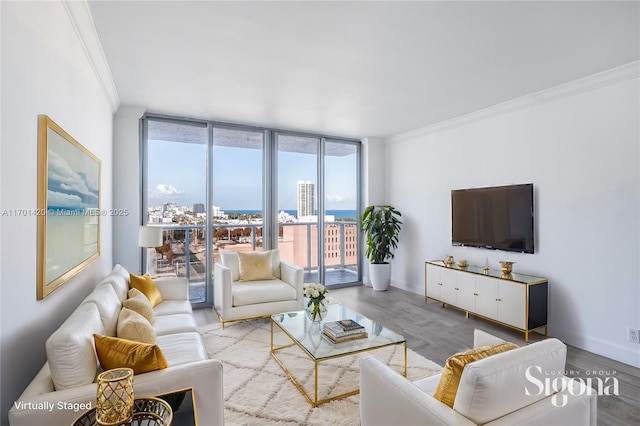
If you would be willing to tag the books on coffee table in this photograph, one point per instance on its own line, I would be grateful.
(349, 324)
(332, 339)
(343, 330)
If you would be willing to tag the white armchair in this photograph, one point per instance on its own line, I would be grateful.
(234, 300)
(491, 392)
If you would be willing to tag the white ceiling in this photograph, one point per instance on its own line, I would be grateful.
(354, 69)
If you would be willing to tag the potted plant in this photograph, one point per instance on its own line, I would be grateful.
(381, 225)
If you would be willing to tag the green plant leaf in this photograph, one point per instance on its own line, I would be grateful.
(381, 225)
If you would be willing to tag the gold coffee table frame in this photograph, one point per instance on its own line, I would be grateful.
(366, 345)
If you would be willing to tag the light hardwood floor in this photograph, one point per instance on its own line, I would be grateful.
(436, 333)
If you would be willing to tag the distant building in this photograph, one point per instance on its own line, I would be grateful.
(198, 208)
(294, 243)
(285, 217)
(314, 219)
(167, 207)
(218, 213)
(306, 198)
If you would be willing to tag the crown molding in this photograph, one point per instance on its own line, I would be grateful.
(572, 88)
(130, 111)
(82, 22)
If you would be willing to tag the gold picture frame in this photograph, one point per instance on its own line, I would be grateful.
(68, 207)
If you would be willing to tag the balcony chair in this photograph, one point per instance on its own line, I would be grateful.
(491, 391)
(242, 291)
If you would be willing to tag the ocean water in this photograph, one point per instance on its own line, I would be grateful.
(339, 214)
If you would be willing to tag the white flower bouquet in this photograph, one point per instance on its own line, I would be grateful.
(316, 306)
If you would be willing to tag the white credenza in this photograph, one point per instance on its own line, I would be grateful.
(515, 300)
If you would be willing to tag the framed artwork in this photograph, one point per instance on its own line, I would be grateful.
(68, 207)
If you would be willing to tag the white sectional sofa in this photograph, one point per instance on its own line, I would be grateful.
(68, 376)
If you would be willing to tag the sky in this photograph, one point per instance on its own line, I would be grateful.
(177, 174)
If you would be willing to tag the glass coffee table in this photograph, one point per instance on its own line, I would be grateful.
(308, 337)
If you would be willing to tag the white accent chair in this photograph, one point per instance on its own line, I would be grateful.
(236, 300)
(491, 391)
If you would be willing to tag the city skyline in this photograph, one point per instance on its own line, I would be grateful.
(169, 210)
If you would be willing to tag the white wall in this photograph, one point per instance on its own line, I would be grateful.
(126, 184)
(373, 181)
(579, 145)
(373, 171)
(44, 71)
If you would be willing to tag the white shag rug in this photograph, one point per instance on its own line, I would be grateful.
(258, 392)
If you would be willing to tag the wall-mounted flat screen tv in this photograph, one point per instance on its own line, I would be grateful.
(499, 217)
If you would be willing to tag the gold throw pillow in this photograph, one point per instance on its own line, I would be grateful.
(119, 353)
(255, 265)
(138, 302)
(133, 326)
(145, 284)
(450, 379)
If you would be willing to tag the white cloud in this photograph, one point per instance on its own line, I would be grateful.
(59, 171)
(59, 199)
(92, 184)
(334, 198)
(164, 190)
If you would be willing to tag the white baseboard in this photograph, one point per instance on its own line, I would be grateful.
(601, 347)
(605, 348)
(417, 289)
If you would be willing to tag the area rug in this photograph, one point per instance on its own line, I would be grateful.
(258, 392)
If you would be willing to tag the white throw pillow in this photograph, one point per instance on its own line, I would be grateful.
(138, 302)
(133, 326)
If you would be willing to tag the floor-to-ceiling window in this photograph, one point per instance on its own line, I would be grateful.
(341, 200)
(318, 190)
(216, 186)
(238, 195)
(175, 198)
(297, 164)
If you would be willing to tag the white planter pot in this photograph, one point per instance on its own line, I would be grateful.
(380, 276)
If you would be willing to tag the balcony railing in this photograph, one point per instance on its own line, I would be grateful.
(184, 251)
